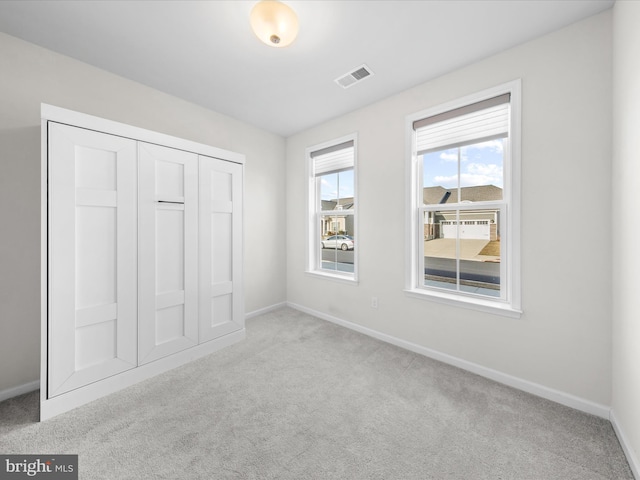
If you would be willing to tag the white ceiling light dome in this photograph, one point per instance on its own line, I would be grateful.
(275, 23)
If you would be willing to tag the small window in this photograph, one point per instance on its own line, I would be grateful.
(464, 203)
(332, 236)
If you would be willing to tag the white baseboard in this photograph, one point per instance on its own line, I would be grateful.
(268, 309)
(557, 396)
(8, 393)
(626, 448)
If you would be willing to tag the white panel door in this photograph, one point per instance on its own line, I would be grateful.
(168, 251)
(92, 300)
(221, 300)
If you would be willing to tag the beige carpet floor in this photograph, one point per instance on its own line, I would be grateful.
(301, 398)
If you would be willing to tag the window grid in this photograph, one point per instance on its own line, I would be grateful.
(505, 222)
(500, 207)
(332, 231)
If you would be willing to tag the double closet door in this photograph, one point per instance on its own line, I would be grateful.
(144, 253)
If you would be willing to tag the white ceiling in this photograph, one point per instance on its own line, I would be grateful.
(205, 52)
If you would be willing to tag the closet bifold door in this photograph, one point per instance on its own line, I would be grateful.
(167, 250)
(221, 302)
(92, 297)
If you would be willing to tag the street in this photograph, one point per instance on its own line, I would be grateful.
(332, 255)
(486, 272)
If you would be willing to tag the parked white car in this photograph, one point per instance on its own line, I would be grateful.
(343, 242)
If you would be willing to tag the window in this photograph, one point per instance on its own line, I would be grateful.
(332, 209)
(464, 202)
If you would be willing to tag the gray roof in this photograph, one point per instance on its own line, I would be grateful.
(346, 203)
(480, 193)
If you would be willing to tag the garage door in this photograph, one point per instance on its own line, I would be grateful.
(469, 229)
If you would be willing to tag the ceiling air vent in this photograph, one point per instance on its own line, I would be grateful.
(357, 75)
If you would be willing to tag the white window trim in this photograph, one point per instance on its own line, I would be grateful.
(511, 307)
(312, 250)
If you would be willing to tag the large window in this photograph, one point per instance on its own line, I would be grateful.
(464, 201)
(332, 235)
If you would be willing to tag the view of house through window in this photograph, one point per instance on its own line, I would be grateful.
(462, 207)
(333, 184)
(462, 244)
(336, 221)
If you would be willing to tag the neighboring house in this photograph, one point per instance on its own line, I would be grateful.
(474, 224)
(337, 223)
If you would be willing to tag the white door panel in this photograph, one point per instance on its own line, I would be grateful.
(168, 249)
(475, 231)
(468, 230)
(92, 257)
(221, 301)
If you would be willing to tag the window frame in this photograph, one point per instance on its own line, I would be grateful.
(314, 212)
(510, 304)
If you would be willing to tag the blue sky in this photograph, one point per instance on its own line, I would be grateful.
(480, 164)
(330, 184)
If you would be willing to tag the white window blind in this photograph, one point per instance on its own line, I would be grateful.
(336, 158)
(481, 121)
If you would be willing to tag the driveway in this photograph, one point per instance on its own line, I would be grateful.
(469, 249)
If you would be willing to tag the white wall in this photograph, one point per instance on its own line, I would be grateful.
(563, 340)
(31, 75)
(626, 227)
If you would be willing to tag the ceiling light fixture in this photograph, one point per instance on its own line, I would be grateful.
(275, 23)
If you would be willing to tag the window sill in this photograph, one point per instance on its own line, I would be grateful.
(348, 279)
(477, 304)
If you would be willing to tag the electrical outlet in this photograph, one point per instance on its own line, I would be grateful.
(374, 302)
